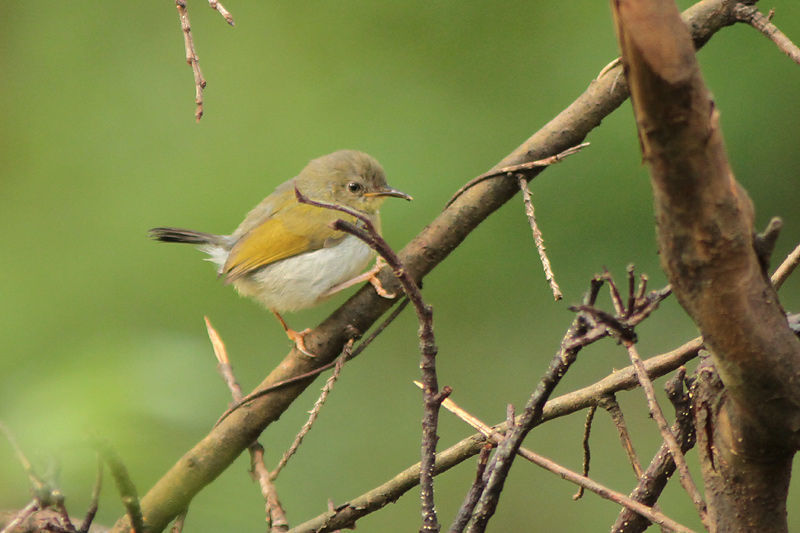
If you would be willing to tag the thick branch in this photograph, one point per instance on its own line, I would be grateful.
(706, 243)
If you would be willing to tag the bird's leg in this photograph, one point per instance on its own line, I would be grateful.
(370, 275)
(295, 336)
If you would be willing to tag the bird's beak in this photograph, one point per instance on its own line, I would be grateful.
(389, 191)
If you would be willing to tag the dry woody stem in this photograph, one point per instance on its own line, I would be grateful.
(752, 16)
(432, 396)
(538, 239)
(609, 403)
(573, 477)
(587, 451)
(326, 390)
(669, 438)
(275, 515)
(191, 58)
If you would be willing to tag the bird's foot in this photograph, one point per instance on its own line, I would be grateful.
(298, 337)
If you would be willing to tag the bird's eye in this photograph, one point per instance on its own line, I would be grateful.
(354, 187)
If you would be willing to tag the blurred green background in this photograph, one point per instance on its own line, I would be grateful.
(102, 330)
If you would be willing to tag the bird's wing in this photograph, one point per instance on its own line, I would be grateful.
(297, 229)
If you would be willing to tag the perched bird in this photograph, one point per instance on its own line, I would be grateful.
(285, 254)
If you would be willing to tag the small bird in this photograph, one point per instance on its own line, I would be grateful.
(285, 254)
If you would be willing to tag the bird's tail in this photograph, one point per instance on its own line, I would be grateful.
(187, 236)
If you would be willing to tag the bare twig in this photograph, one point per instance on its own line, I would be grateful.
(276, 517)
(582, 332)
(573, 477)
(191, 58)
(37, 485)
(569, 403)
(465, 511)
(609, 403)
(319, 370)
(432, 396)
(126, 488)
(337, 370)
(217, 6)
(578, 335)
(275, 514)
(786, 268)
(93, 505)
(658, 415)
(587, 451)
(661, 468)
(517, 169)
(751, 15)
(538, 239)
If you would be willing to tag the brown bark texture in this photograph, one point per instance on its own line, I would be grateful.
(749, 421)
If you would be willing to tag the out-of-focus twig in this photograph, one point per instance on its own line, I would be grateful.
(275, 515)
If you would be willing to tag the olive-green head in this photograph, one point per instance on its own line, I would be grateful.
(349, 178)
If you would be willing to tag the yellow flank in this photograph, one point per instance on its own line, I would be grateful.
(305, 229)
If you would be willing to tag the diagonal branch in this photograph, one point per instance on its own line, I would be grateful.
(214, 453)
(432, 397)
(752, 16)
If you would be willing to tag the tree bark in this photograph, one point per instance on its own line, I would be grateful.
(750, 426)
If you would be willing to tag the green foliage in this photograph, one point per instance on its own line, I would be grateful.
(102, 330)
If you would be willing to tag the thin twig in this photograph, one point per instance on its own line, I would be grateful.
(191, 58)
(326, 389)
(609, 403)
(515, 169)
(275, 515)
(565, 473)
(578, 335)
(94, 502)
(582, 332)
(587, 451)
(537, 238)
(388, 492)
(616, 297)
(674, 448)
(786, 268)
(752, 16)
(37, 484)
(217, 6)
(465, 511)
(126, 488)
(661, 468)
(432, 396)
(319, 370)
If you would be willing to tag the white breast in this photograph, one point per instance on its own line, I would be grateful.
(301, 281)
